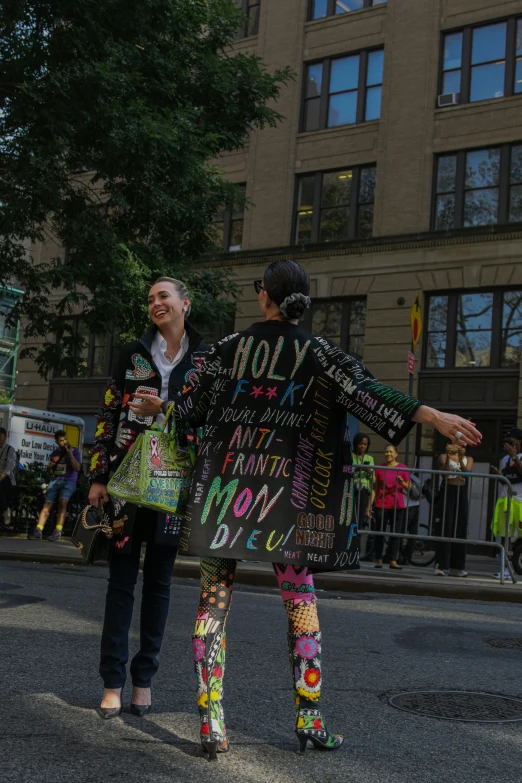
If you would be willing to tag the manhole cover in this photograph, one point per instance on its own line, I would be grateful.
(459, 705)
(506, 644)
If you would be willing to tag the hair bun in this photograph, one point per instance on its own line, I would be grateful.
(294, 306)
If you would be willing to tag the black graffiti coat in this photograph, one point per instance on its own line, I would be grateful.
(273, 479)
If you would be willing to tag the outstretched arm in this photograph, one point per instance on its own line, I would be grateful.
(448, 424)
(386, 410)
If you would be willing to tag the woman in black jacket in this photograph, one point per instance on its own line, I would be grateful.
(274, 481)
(157, 365)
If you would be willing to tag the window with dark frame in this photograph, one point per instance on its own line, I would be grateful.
(95, 357)
(228, 223)
(250, 10)
(478, 188)
(335, 205)
(343, 90)
(318, 9)
(343, 321)
(474, 329)
(482, 62)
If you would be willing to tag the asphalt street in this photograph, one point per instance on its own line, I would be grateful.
(374, 646)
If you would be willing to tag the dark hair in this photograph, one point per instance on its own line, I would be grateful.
(391, 446)
(3, 431)
(288, 280)
(59, 434)
(515, 433)
(359, 437)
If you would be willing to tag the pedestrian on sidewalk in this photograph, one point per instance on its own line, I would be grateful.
(7, 475)
(156, 366)
(389, 500)
(411, 515)
(64, 465)
(274, 481)
(511, 468)
(452, 510)
(363, 481)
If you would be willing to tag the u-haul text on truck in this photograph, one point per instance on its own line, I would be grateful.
(31, 432)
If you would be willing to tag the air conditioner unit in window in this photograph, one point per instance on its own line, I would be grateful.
(449, 99)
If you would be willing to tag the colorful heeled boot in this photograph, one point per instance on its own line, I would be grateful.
(209, 663)
(305, 659)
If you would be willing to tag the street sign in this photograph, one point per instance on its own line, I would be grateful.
(411, 362)
(416, 323)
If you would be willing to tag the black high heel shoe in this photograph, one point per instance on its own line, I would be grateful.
(140, 710)
(106, 713)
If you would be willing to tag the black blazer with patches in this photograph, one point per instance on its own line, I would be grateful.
(117, 427)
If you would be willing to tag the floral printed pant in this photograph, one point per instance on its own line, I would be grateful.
(217, 579)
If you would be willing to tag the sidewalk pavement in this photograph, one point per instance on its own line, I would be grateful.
(479, 585)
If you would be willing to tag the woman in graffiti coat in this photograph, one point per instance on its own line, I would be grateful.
(273, 481)
(157, 365)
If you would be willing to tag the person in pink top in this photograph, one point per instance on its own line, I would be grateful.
(390, 501)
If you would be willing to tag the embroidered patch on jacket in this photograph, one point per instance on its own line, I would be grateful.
(104, 429)
(142, 369)
(144, 419)
(99, 462)
(112, 397)
(125, 437)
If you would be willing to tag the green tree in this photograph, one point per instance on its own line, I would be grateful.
(109, 114)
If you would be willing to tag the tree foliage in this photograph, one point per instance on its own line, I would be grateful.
(109, 114)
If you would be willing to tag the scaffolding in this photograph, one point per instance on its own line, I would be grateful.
(9, 341)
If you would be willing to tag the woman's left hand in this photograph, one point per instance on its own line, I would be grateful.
(448, 424)
(145, 405)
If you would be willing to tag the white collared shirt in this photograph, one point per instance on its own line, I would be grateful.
(159, 346)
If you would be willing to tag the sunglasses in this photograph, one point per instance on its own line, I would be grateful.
(258, 285)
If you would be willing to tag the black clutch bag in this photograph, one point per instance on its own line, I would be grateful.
(92, 535)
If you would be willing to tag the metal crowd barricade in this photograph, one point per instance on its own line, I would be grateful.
(438, 525)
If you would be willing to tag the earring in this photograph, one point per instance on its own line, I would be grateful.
(185, 309)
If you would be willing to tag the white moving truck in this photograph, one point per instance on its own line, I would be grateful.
(31, 432)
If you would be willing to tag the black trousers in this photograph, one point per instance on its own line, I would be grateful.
(362, 501)
(5, 496)
(394, 519)
(454, 524)
(412, 527)
(119, 603)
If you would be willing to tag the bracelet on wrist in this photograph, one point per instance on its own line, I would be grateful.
(164, 407)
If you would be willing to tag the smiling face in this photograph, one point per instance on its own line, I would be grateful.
(165, 304)
(390, 454)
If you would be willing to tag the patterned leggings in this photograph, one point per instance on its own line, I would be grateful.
(217, 579)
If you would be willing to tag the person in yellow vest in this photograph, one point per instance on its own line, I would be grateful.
(511, 468)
